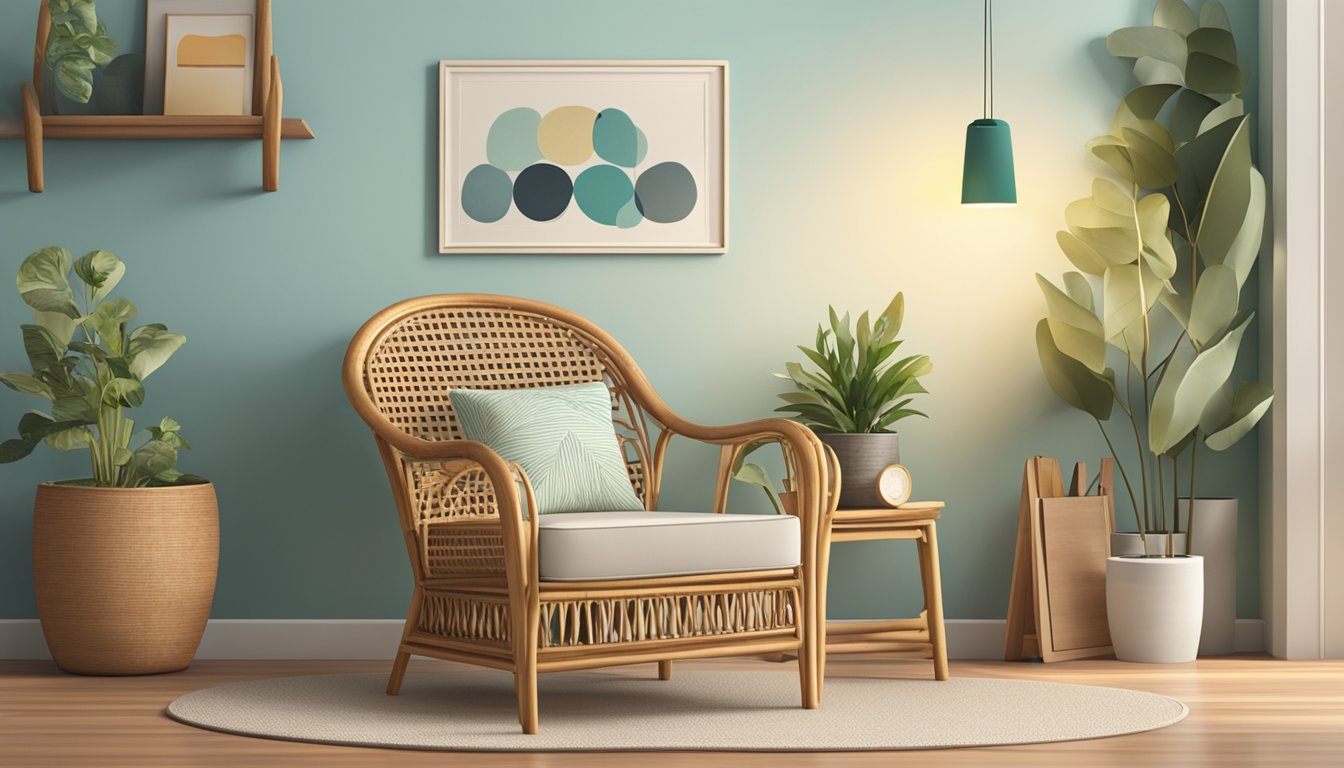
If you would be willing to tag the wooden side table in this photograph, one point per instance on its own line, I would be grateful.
(919, 638)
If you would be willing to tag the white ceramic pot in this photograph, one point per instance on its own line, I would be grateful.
(1213, 536)
(1125, 544)
(1155, 607)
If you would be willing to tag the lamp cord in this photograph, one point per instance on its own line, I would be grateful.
(987, 102)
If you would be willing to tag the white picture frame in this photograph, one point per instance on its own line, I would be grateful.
(668, 120)
(156, 38)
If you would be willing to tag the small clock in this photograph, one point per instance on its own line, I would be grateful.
(893, 485)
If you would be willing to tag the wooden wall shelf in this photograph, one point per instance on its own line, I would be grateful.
(155, 127)
(266, 122)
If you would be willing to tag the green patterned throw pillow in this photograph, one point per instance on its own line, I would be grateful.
(562, 437)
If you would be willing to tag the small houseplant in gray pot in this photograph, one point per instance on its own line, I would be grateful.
(124, 562)
(856, 395)
(1170, 242)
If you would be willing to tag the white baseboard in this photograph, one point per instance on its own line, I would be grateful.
(378, 638)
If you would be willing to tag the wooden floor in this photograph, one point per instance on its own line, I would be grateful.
(1244, 711)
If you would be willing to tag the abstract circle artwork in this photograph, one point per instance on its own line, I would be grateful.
(526, 149)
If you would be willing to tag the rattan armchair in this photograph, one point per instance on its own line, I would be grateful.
(470, 524)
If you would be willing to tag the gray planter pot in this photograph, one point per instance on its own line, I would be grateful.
(862, 457)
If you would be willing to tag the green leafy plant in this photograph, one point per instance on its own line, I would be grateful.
(857, 387)
(89, 364)
(78, 44)
(1171, 243)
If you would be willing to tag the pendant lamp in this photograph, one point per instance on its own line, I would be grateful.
(987, 174)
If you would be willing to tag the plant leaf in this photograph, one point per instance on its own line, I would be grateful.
(26, 383)
(894, 314)
(149, 347)
(43, 348)
(1153, 213)
(1080, 254)
(1176, 15)
(1145, 101)
(1148, 42)
(1232, 108)
(108, 320)
(74, 78)
(1154, 165)
(43, 283)
(70, 440)
(1210, 74)
(1187, 115)
(125, 392)
(1080, 291)
(1075, 330)
(1187, 387)
(1249, 405)
(1214, 15)
(1228, 198)
(1153, 71)
(1245, 248)
(1214, 305)
(101, 271)
(1121, 300)
(1071, 380)
(1218, 43)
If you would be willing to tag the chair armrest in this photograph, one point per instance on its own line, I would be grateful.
(517, 512)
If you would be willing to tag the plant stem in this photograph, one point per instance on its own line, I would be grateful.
(1161, 497)
(1125, 476)
(1175, 494)
(1190, 510)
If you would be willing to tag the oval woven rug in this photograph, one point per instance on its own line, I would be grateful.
(695, 710)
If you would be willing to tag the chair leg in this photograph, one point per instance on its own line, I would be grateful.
(525, 671)
(809, 655)
(665, 669)
(933, 601)
(398, 672)
(525, 681)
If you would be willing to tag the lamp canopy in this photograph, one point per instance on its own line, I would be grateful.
(987, 176)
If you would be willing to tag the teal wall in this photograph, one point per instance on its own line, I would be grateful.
(847, 120)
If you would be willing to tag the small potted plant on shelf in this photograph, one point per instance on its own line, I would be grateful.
(1170, 243)
(77, 45)
(124, 562)
(854, 398)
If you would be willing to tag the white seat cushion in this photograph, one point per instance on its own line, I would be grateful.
(584, 546)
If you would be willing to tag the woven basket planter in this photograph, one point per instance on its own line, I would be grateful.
(124, 576)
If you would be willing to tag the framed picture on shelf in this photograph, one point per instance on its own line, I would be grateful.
(583, 157)
(192, 53)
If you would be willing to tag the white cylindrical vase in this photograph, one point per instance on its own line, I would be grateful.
(1213, 535)
(1154, 607)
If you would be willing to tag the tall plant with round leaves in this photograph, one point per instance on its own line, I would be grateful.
(90, 365)
(1170, 241)
(77, 45)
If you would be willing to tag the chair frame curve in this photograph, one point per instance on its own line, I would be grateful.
(469, 518)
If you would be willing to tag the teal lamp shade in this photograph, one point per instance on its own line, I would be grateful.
(987, 176)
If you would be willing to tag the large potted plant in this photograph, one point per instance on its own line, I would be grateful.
(124, 562)
(1170, 243)
(856, 395)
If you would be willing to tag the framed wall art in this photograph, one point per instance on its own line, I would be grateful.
(583, 156)
(210, 61)
(208, 66)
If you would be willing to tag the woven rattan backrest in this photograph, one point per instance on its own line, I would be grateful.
(420, 357)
